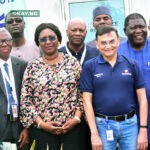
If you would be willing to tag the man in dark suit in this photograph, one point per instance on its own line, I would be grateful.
(11, 129)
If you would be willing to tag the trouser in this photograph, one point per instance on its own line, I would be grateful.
(124, 133)
(11, 133)
(76, 139)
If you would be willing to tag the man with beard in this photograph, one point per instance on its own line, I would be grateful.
(22, 48)
(101, 17)
(138, 47)
(76, 32)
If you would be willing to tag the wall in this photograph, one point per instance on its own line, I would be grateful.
(55, 11)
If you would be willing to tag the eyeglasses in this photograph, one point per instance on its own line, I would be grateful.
(8, 42)
(50, 38)
(11, 21)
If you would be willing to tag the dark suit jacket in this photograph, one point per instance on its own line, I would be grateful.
(18, 67)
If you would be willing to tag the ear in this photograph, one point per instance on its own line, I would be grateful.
(124, 31)
(97, 44)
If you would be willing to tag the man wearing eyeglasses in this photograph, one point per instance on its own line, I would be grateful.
(22, 48)
(11, 73)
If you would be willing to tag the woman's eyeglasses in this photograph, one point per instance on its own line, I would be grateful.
(8, 42)
(50, 38)
(11, 21)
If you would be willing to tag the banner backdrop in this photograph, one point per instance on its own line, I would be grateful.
(7, 5)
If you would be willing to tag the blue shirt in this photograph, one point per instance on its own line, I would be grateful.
(142, 56)
(91, 53)
(113, 89)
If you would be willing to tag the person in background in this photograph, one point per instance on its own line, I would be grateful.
(11, 73)
(137, 47)
(22, 48)
(76, 33)
(51, 105)
(112, 117)
(101, 17)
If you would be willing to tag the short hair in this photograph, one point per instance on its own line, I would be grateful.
(43, 26)
(106, 29)
(132, 16)
(12, 12)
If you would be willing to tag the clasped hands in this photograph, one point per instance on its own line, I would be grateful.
(54, 128)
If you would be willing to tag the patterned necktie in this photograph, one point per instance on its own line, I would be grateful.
(9, 88)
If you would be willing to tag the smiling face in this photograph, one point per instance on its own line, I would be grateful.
(5, 44)
(48, 42)
(136, 32)
(108, 44)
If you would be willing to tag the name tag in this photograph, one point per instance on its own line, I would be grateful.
(14, 110)
(109, 134)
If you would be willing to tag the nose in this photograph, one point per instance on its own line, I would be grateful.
(108, 45)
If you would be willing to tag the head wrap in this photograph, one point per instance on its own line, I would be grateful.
(101, 10)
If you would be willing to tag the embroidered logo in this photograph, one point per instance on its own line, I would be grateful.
(126, 73)
(98, 75)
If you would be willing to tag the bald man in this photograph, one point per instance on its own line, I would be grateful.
(76, 33)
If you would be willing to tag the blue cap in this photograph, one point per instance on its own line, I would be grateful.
(101, 10)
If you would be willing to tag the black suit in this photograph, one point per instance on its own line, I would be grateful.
(6, 134)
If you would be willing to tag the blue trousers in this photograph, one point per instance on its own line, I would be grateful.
(124, 132)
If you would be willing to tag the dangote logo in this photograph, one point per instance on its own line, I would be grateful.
(126, 73)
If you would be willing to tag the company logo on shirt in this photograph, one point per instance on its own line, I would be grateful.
(98, 75)
(126, 73)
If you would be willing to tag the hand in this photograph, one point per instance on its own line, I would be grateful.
(142, 139)
(70, 123)
(51, 127)
(96, 142)
(24, 137)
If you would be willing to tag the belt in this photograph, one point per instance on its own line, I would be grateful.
(118, 117)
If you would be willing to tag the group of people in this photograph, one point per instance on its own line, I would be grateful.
(80, 96)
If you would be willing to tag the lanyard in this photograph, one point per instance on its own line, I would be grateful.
(83, 54)
(6, 77)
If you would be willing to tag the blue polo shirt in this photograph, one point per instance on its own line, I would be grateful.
(113, 89)
(142, 56)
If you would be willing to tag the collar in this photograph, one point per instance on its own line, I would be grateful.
(101, 60)
(2, 62)
(76, 53)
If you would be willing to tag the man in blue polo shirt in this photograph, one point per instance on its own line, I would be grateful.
(138, 47)
(111, 86)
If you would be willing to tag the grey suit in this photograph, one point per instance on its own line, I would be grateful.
(6, 133)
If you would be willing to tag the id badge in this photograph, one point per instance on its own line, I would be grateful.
(14, 109)
(109, 134)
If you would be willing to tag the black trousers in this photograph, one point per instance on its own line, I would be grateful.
(76, 139)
